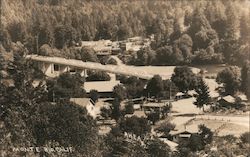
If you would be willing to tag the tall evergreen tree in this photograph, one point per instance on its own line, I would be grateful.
(245, 29)
(199, 24)
(230, 41)
(203, 97)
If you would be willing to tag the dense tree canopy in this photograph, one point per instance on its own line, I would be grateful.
(135, 125)
(184, 32)
(30, 119)
(181, 27)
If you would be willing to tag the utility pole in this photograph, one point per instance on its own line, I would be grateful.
(170, 90)
(37, 47)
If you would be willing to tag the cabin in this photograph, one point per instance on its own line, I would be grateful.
(153, 106)
(126, 46)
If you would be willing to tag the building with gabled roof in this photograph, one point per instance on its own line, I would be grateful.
(242, 98)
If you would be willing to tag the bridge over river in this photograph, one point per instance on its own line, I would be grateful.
(144, 72)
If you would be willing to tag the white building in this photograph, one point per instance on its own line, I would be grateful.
(86, 103)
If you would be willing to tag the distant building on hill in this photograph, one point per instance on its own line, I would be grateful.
(101, 47)
(134, 44)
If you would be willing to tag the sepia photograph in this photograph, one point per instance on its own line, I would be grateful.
(124, 78)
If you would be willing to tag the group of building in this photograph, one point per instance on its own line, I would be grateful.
(142, 106)
(108, 47)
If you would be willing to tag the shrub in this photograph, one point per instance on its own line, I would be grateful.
(245, 137)
(98, 76)
(129, 108)
(166, 128)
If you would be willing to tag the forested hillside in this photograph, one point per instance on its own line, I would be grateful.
(206, 31)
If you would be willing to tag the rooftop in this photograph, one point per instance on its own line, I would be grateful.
(154, 105)
(242, 97)
(100, 86)
(81, 101)
(229, 99)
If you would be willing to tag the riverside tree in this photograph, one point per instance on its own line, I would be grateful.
(155, 86)
(184, 78)
(230, 78)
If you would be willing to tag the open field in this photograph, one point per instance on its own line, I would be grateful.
(221, 125)
(232, 129)
(185, 106)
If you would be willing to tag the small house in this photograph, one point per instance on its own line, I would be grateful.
(226, 101)
(183, 133)
(179, 135)
(181, 95)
